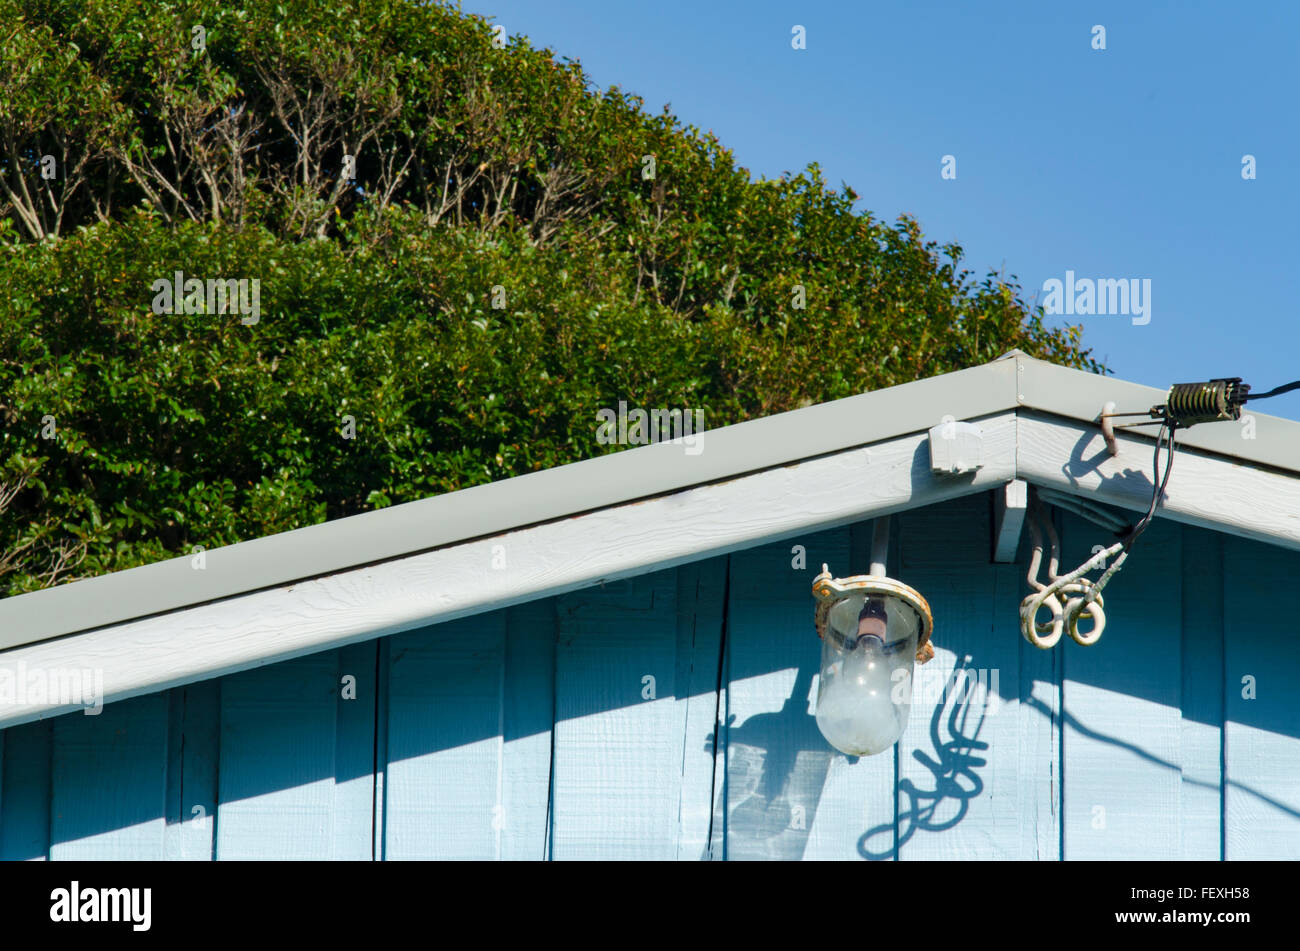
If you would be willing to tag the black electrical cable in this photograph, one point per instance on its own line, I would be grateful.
(1159, 484)
(1276, 391)
(1188, 404)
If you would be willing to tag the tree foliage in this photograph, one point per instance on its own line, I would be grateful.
(130, 436)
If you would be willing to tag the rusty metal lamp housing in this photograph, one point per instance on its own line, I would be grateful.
(873, 628)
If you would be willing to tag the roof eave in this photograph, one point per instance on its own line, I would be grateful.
(1008, 384)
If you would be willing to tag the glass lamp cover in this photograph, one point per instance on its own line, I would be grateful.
(868, 653)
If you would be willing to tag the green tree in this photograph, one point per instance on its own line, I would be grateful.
(212, 139)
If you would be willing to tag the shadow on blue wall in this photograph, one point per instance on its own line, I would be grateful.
(952, 769)
(775, 761)
(776, 764)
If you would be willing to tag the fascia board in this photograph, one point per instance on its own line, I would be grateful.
(1269, 441)
(1205, 490)
(146, 655)
(374, 537)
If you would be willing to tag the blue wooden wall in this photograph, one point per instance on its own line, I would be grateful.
(669, 717)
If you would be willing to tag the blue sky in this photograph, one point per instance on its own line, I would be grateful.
(1116, 163)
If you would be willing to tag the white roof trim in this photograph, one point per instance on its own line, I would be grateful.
(1204, 490)
(209, 640)
(1012, 384)
(264, 627)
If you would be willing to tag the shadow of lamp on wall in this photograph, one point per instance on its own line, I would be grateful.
(952, 771)
(776, 768)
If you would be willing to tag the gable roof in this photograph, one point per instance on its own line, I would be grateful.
(644, 509)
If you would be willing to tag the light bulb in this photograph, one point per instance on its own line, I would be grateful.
(864, 691)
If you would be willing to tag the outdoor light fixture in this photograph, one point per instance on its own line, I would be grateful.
(872, 629)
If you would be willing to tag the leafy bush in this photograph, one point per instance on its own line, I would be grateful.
(130, 436)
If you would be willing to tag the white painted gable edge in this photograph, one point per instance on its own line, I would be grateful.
(1014, 382)
(276, 624)
(564, 491)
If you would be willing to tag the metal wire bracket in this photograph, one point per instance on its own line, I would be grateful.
(1067, 597)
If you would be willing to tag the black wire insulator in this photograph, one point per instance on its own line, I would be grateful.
(1190, 403)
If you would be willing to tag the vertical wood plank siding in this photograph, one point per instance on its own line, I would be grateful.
(669, 716)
